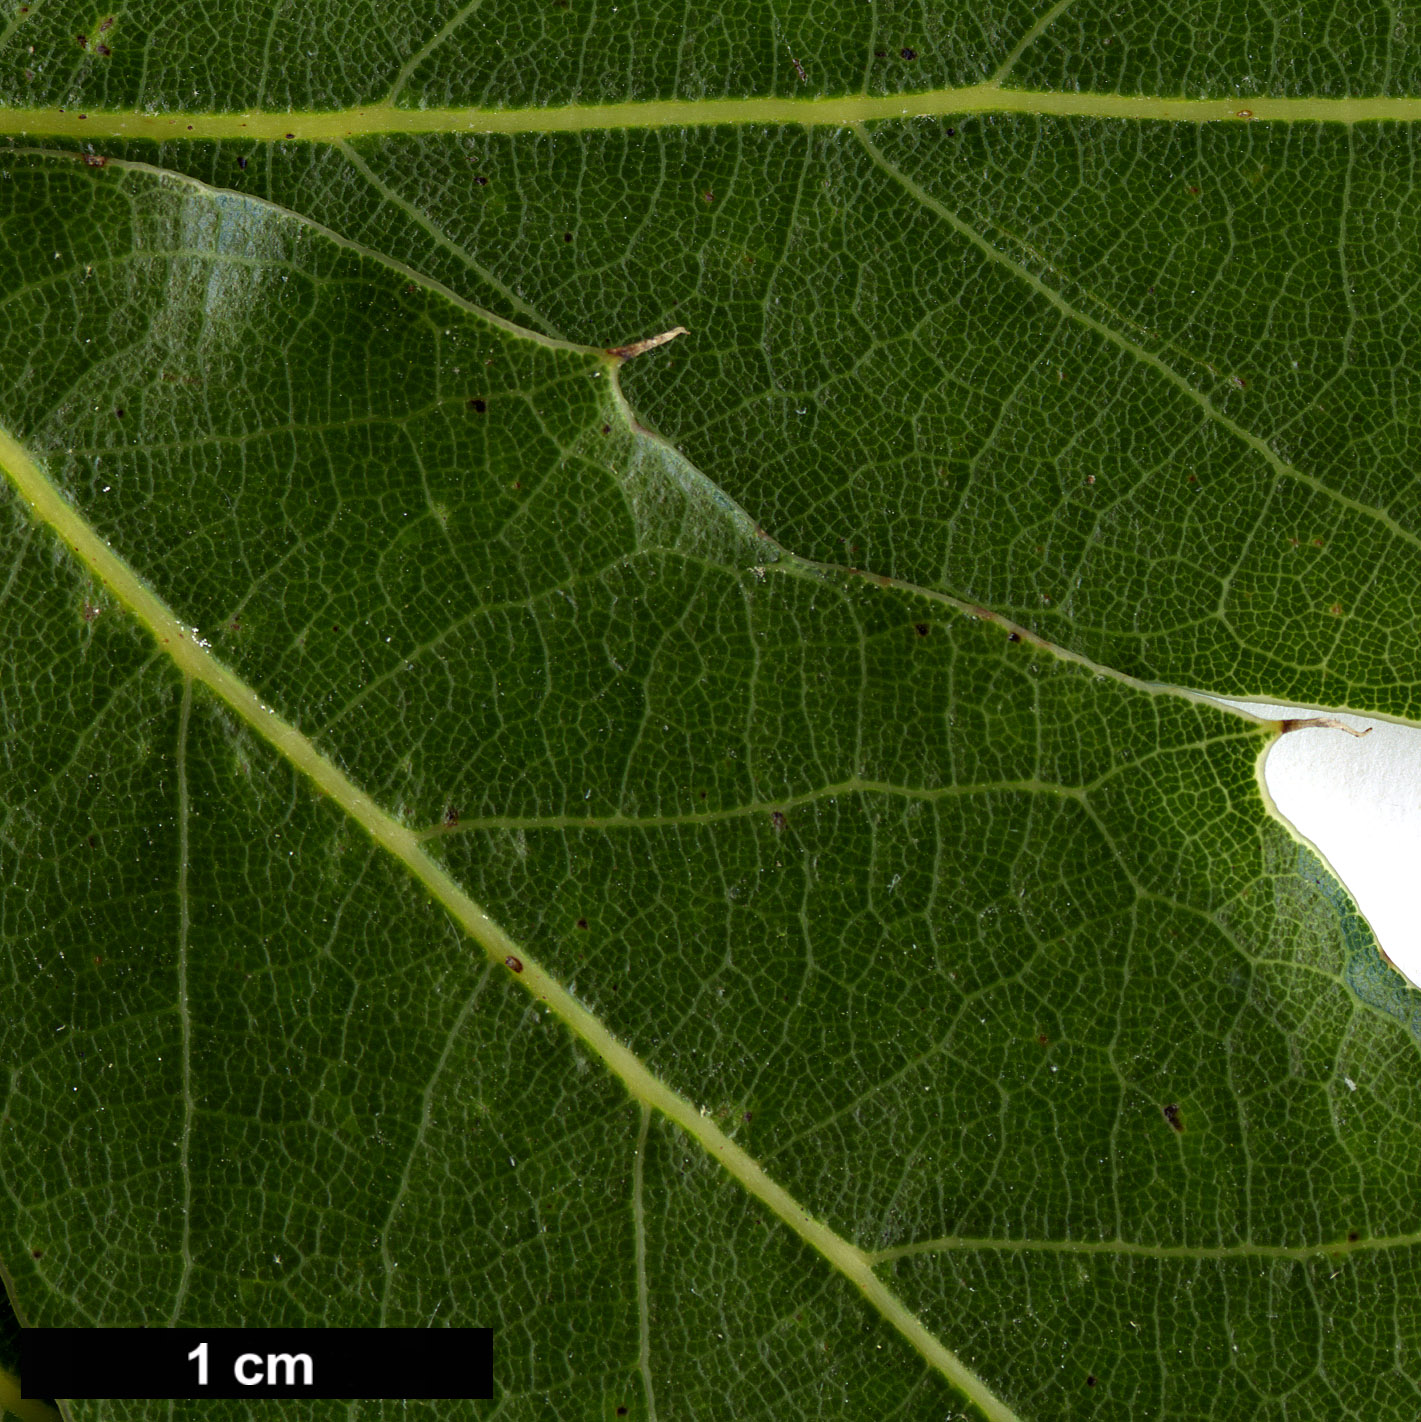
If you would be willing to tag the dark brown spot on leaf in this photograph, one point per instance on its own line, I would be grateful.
(516, 964)
(242, 162)
(908, 53)
(567, 236)
(1353, 1235)
(451, 816)
(478, 406)
(1171, 1114)
(921, 628)
(1090, 1379)
(777, 819)
(582, 923)
(1013, 636)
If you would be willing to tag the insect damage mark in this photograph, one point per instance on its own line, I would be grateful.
(100, 48)
(1171, 1114)
(1325, 723)
(636, 348)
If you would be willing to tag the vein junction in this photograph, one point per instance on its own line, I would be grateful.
(373, 119)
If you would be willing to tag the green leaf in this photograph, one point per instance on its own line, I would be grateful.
(706, 855)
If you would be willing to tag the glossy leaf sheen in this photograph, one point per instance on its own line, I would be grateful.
(917, 1012)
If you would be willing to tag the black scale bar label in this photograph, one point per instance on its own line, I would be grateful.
(361, 1364)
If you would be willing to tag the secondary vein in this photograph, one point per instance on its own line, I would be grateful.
(422, 221)
(184, 1015)
(642, 1294)
(1256, 443)
(1328, 1248)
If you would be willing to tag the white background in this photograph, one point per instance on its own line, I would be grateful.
(1359, 803)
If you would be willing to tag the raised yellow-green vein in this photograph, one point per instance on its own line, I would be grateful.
(27, 1409)
(332, 125)
(192, 658)
(957, 1244)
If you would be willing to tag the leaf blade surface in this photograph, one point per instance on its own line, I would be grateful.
(970, 962)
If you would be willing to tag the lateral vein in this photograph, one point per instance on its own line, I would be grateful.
(1146, 357)
(642, 1292)
(184, 1014)
(1328, 1248)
